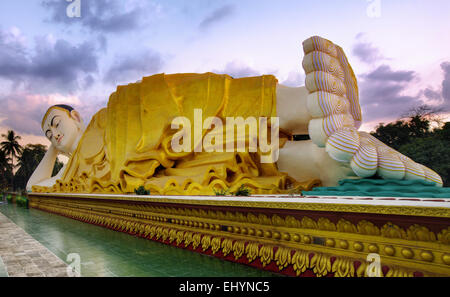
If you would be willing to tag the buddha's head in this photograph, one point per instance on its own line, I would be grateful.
(63, 126)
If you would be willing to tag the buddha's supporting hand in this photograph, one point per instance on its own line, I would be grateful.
(44, 170)
(333, 104)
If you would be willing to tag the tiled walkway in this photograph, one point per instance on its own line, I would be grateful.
(21, 255)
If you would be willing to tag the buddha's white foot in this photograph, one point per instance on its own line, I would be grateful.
(333, 103)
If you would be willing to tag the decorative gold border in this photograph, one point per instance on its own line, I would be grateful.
(441, 212)
(285, 241)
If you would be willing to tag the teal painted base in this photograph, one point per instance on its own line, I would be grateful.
(382, 188)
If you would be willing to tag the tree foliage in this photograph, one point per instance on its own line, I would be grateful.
(11, 144)
(5, 171)
(28, 158)
(11, 147)
(415, 138)
(402, 131)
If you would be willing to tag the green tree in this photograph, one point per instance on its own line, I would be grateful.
(28, 160)
(402, 131)
(433, 152)
(393, 134)
(414, 138)
(12, 148)
(444, 132)
(5, 171)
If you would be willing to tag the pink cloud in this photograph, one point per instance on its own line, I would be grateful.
(23, 112)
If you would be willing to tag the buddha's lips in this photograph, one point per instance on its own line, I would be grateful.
(59, 140)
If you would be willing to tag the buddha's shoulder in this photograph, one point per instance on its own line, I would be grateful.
(98, 119)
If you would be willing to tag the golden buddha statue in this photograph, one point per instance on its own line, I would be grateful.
(144, 135)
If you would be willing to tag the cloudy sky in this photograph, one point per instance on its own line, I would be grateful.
(399, 49)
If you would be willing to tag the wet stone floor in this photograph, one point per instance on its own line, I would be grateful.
(42, 244)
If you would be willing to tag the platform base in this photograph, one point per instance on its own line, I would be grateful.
(295, 236)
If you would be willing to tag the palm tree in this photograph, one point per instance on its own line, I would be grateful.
(11, 147)
(5, 170)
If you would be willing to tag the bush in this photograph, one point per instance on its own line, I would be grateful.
(242, 191)
(221, 192)
(432, 152)
(141, 191)
(22, 201)
(9, 198)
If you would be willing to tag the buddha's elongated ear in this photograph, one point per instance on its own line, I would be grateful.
(76, 116)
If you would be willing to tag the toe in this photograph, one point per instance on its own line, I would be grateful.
(394, 165)
(319, 61)
(365, 162)
(343, 144)
(389, 165)
(317, 43)
(323, 81)
(320, 129)
(413, 171)
(432, 176)
(322, 104)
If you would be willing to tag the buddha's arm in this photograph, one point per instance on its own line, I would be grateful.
(45, 168)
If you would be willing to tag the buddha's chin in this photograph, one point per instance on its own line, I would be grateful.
(61, 149)
(64, 147)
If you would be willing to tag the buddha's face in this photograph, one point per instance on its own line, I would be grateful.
(63, 129)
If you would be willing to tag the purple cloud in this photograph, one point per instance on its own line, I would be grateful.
(216, 16)
(131, 68)
(382, 93)
(441, 95)
(365, 51)
(385, 73)
(52, 66)
(237, 69)
(105, 16)
(52, 72)
(446, 83)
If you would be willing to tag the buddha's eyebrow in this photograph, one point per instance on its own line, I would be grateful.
(51, 122)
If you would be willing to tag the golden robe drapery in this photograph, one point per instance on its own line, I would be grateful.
(127, 144)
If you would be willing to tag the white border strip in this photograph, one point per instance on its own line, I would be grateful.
(349, 200)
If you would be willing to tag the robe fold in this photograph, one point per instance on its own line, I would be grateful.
(128, 144)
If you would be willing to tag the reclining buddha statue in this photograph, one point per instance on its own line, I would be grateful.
(131, 142)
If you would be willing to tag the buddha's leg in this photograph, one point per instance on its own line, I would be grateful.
(333, 105)
(292, 110)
